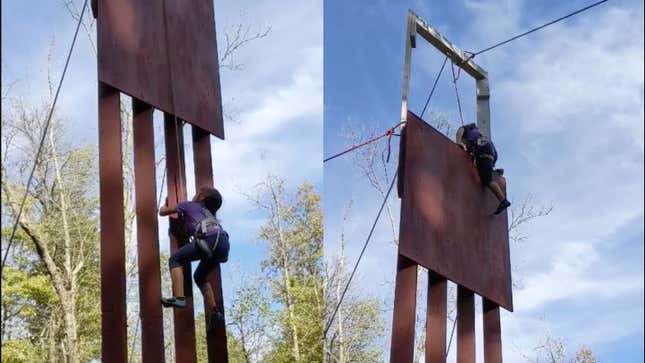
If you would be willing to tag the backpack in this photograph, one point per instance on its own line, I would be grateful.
(206, 227)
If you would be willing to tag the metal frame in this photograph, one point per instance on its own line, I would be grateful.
(403, 325)
(417, 25)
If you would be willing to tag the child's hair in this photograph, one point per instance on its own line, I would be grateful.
(210, 198)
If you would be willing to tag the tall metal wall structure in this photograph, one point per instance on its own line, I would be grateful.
(164, 55)
(447, 226)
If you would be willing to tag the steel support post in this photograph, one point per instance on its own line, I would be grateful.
(409, 44)
(483, 107)
(465, 325)
(436, 315)
(184, 319)
(112, 220)
(405, 293)
(216, 339)
(152, 342)
(492, 333)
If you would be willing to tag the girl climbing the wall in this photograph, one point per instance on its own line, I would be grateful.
(208, 242)
(472, 141)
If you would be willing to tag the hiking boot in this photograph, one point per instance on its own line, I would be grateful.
(215, 318)
(173, 302)
(502, 206)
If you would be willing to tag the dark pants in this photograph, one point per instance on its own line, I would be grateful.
(191, 252)
(485, 159)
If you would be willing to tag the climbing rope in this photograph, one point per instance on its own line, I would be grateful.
(42, 139)
(367, 241)
(472, 55)
(389, 133)
(454, 82)
(452, 333)
(163, 180)
(179, 177)
(434, 85)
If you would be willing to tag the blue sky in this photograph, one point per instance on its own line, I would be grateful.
(276, 101)
(567, 119)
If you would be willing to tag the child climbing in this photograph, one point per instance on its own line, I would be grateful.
(483, 151)
(208, 242)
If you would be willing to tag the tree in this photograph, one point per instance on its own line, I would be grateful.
(554, 350)
(58, 228)
(293, 268)
(358, 326)
(250, 317)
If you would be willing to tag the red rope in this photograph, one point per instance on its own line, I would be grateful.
(387, 133)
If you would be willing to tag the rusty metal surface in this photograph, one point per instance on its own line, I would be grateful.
(152, 341)
(492, 332)
(216, 339)
(194, 67)
(113, 299)
(436, 315)
(132, 55)
(447, 224)
(165, 54)
(184, 319)
(405, 292)
(465, 325)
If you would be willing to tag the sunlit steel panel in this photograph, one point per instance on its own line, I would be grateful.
(405, 298)
(184, 319)
(165, 54)
(216, 339)
(447, 221)
(152, 342)
(112, 219)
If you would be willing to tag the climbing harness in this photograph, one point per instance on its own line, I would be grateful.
(204, 228)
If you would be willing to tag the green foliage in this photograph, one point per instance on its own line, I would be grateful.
(21, 351)
(53, 266)
(293, 268)
(235, 348)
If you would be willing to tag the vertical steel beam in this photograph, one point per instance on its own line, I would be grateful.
(405, 293)
(184, 319)
(409, 44)
(216, 339)
(436, 315)
(152, 343)
(483, 107)
(112, 219)
(492, 333)
(465, 325)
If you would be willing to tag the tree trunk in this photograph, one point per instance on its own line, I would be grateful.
(71, 329)
(287, 278)
(68, 298)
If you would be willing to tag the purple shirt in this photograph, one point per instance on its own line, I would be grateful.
(470, 137)
(191, 213)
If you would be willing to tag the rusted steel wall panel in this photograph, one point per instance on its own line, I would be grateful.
(492, 332)
(436, 315)
(194, 64)
(447, 224)
(132, 55)
(184, 319)
(465, 325)
(405, 293)
(216, 339)
(112, 219)
(165, 54)
(152, 342)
